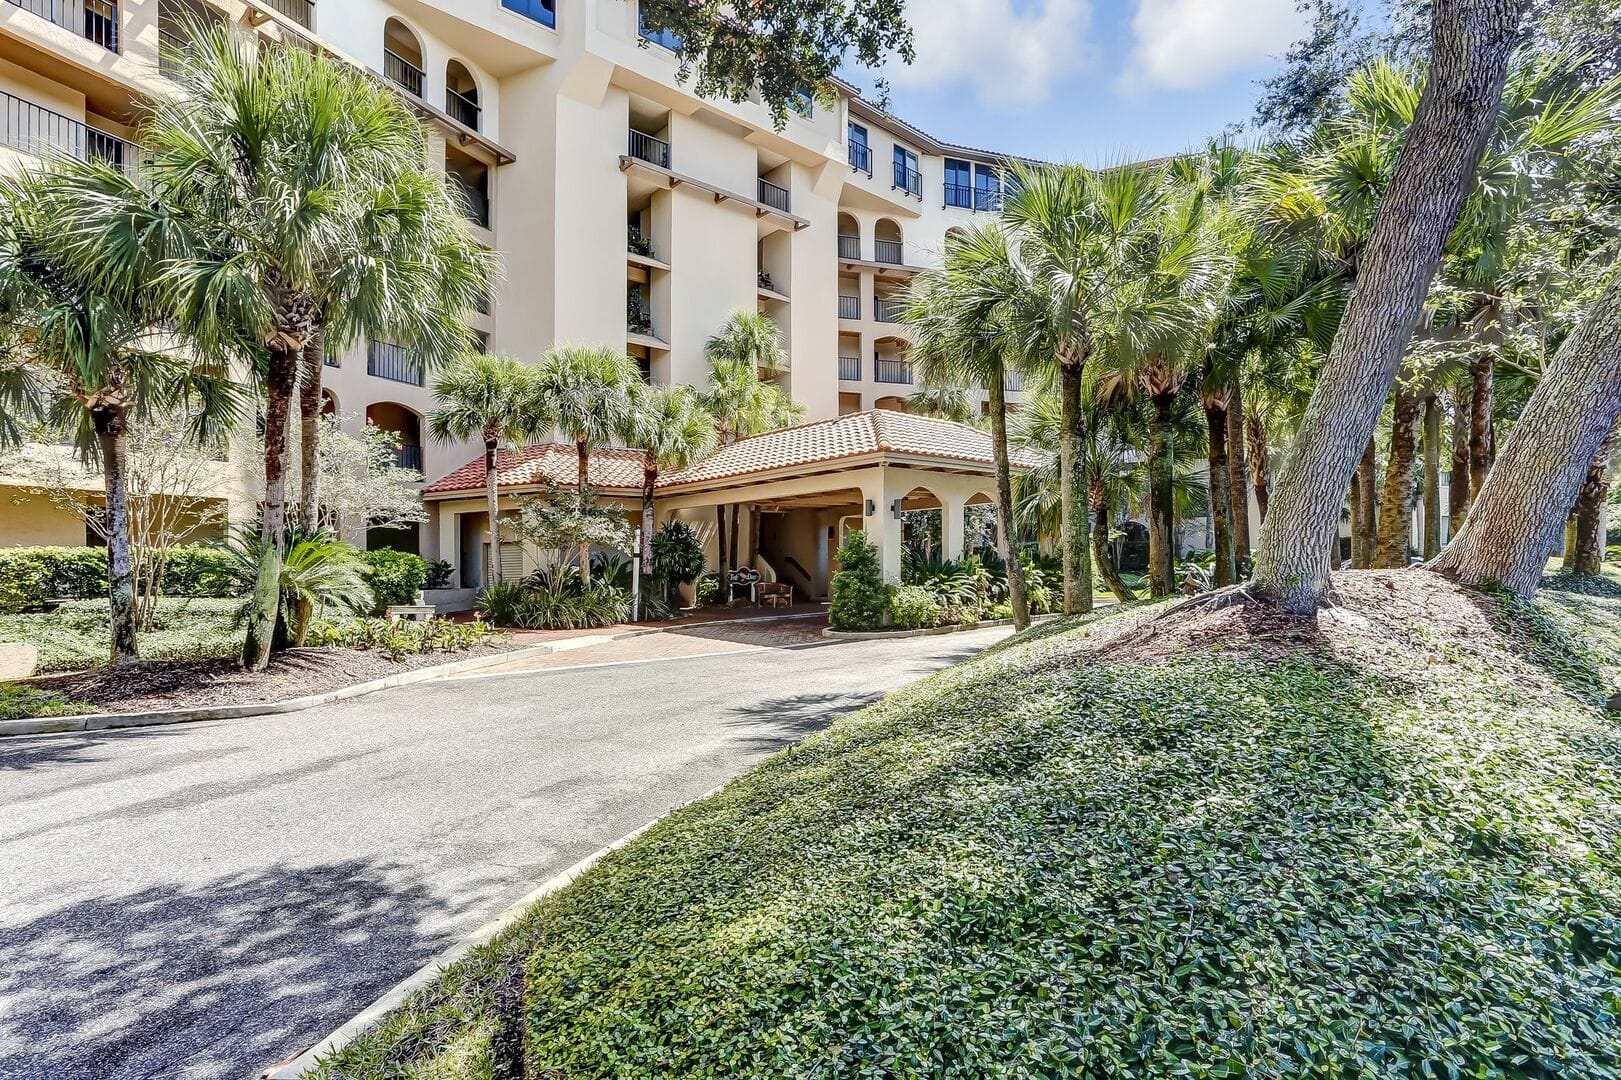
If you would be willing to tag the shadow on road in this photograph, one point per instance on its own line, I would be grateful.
(778, 722)
(20, 752)
(218, 980)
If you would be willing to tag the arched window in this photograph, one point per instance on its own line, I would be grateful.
(402, 56)
(849, 237)
(461, 95)
(887, 243)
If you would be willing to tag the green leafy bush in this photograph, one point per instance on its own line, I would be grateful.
(76, 634)
(440, 575)
(860, 596)
(912, 607)
(202, 571)
(398, 637)
(555, 598)
(396, 577)
(678, 553)
(30, 576)
(19, 702)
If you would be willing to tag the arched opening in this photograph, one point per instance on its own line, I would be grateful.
(922, 531)
(849, 237)
(887, 243)
(329, 402)
(402, 56)
(461, 95)
(891, 364)
(405, 425)
(979, 524)
(892, 403)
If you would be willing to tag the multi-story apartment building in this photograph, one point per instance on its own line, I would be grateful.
(625, 208)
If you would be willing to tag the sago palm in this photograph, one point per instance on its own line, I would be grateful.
(285, 193)
(488, 398)
(672, 429)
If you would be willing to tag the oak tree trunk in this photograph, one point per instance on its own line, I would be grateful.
(309, 430)
(1161, 513)
(1006, 539)
(1396, 518)
(1481, 403)
(281, 379)
(1432, 475)
(1260, 465)
(1595, 492)
(1238, 480)
(1221, 494)
(1516, 519)
(112, 426)
(1471, 43)
(1077, 521)
(492, 495)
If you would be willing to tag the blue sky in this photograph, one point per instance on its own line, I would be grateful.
(1096, 81)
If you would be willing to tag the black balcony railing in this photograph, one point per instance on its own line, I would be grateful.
(960, 195)
(649, 148)
(301, 12)
(850, 368)
(860, 157)
(463, 109)
(892, 371)
(889, 251)
(849, 247)
(475, 200)
(407, 456)
(773, 196)
(386, 360)
(908, 180)
(96, 20)
(37, 130)
(402, 71)
(887, 310)
(849, 307)
(988, 200)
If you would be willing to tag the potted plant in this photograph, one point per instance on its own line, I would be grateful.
(678, 560)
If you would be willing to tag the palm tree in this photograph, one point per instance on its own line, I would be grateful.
(103, 365)
(673, 430)
(489, 398)
(1075, 235)
(588, 392)
(288, 191)
(958, 313)
(942, 400)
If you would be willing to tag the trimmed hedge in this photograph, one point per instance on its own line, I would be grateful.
(395, 577)
(31, 576)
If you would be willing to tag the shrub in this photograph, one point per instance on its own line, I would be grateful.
(678, 553)
(204, 571)
(440, 575)
(395, 577)
(398, 637)
(76, 634)
(31, 576)
(913, 607)
(860, 597)
(555, 598)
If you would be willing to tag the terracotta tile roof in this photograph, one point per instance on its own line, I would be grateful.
(864, 434)
(553, 463)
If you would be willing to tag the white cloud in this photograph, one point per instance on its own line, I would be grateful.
(1190, 44)
(1010, 54)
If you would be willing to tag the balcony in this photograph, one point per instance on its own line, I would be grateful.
(849, 247)
(475, 200)
(94, 20)
(892, 371)
(648, 148)
(407, 456)
(860, 157)
(463, 109)
(908, 180)
(37, 130)
(887, 310)
(774, 196)
(850, 307)
(301, 12)
(393, 362)
(850, 369)
(1013, 382)
(401, 71)
(889, 251)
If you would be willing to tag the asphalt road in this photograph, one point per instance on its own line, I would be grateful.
(205, 900)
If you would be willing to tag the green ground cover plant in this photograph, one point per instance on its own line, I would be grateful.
(18, 702)
(399, 638)
(74, 636)
(1385, 844)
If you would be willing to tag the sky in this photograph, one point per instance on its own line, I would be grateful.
(1094, 81)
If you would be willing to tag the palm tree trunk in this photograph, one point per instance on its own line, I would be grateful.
(1589, 560)
(722, 554)
(583, 454)
(1006, 540)
(1458, 495)
(1567, 562)
(1480, 423)
(1359, 556)
(1238, 480)
(1396, 522)
(1161, 512)
(492, 495)
(1368, 505)
(1432, 475)
(1072, 489)
(1472, 41)
(1221, 494)
(733, 546)
(1515, 521)
(111, 423)
(281, 378)
(1101, 553)
(309, 417)
(650, 479)
(1259, 461)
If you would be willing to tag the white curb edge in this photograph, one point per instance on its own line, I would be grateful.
(932, 631)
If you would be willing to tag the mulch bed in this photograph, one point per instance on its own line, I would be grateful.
(197, 684)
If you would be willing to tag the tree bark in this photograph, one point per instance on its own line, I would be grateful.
(1432, 475)
(1260, 466)
(650, 480)
(737, 551)
(1100, 548)
(309, 418)
(281, 378)
(1018, 595)
(1359, 554)
(492, 493)
(1238, 480)
(1396, 520)
(112, 426)
(1480, 423)
(1367, 476)
(582, 454)
(1161, 513)
(1077, 520)
(1471, 44)
(721, 594)
(1589, 557)
(1222, 515)
(1458, 496)
(1567, 562)
(1516, 519)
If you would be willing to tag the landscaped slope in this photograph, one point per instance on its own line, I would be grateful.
(1216, 844)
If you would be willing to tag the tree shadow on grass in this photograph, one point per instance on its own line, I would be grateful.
(217, 980)
(774, 723)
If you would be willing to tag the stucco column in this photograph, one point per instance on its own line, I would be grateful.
(882, 526)
(953, 514)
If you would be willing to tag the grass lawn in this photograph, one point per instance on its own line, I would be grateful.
(1225, 844)
(75, 635)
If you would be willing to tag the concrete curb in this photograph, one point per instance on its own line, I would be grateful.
(372, 1014)
(933, 631)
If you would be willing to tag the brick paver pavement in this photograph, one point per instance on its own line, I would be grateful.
(675, 644)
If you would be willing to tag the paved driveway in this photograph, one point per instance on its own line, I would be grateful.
(204, 900)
